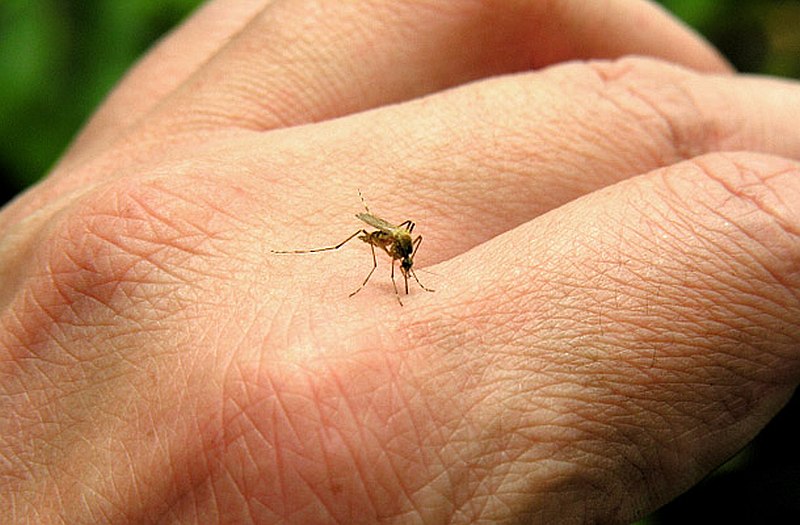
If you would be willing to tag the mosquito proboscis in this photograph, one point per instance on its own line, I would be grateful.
(396, 241)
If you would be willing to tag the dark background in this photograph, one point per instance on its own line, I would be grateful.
(58, 59)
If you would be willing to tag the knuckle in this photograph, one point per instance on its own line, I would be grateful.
(755, 193)
(129, 243)
(741, 226)
(758, 195)
(664, 100)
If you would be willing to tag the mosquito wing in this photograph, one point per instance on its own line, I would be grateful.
(377, 222)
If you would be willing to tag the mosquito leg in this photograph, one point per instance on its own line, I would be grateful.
(417, 242)
(419, 283)
(374, 265)
(407, 225)
(394, 283)
(328, 248)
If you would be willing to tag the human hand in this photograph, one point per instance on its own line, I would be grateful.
(591, 349)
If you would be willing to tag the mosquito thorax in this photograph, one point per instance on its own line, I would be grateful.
(405, 247)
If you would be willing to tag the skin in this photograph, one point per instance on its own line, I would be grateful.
(614, 245)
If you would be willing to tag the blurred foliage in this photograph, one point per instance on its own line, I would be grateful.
(757, 36)
(58, 59)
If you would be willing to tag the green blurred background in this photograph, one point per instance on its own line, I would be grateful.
(58, 59)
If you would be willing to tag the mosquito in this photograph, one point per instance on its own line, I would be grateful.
(396, 241)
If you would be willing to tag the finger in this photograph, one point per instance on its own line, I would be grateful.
(635, 338)
(307, 61)
(473, 162)
(165, 67)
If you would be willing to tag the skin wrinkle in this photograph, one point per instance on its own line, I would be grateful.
(497, 448)
(225, 442)
(689, 129)
(767, 244)
(752, 189)
(442, 434)
(451, 482)
(475, 475)
(624, 282)
(240, 436)
(718, 247)
(394, 458)
(357, 420)
(699, 339)
(433, 460)
(277, 446)
(115, 241)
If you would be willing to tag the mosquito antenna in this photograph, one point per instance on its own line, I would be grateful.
(364, 202)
